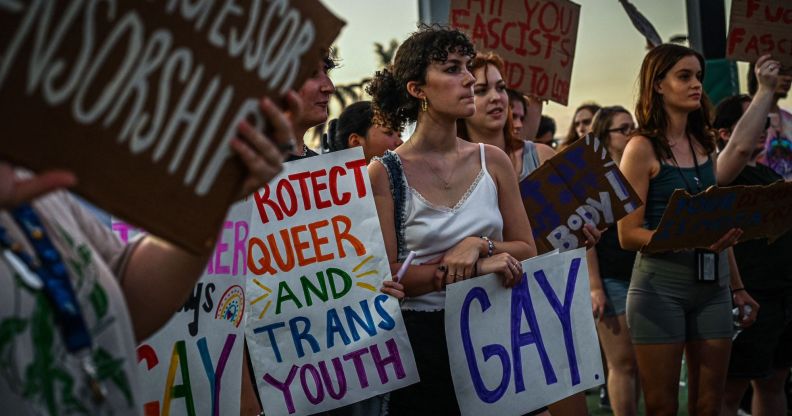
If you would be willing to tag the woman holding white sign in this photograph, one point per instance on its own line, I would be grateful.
(444, 198)
(677, 301)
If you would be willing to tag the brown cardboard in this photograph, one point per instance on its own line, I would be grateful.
(758, 27)
(701, 220)
(535, 38)
(59, 112)
(580, 184)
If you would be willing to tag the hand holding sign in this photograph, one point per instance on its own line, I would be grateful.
(14, 191)
(758, 27)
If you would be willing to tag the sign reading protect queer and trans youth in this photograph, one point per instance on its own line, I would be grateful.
(515, 350)
(320, 333)
(193, 365)
(758, 27)
(142, 98)
(701, 220)
(577, 186)
(535, 38)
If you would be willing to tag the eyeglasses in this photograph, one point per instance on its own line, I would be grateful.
(624, 129)
(585, 122)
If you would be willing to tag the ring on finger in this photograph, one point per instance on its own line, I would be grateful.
(288, 146)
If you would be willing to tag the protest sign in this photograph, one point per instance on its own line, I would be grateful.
(701, 220)
(759, 27)
(141, 99)
(320, 333)
(515, 350)
(579, 185)
(193, 365)
(535, 38)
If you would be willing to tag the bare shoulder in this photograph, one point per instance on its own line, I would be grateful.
(544, 152)
(640, 154)
(640, 146)
(496, 157)
(378, 175)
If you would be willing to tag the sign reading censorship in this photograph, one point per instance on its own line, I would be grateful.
(701, 220)
(141, 99)
(577, 186)
(759, 27)
(535, 38)
(321, 334)
(516, 350)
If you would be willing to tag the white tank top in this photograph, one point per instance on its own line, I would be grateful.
(431, 230)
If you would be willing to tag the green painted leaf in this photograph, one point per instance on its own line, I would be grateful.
(9, 329)
(98, 298)
(111, 368)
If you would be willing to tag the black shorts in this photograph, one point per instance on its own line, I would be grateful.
(767, 344)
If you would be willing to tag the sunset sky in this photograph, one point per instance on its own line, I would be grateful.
(607, 58)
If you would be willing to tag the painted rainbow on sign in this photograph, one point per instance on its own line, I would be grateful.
(232, 305)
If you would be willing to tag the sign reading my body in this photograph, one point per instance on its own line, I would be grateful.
(151, 64)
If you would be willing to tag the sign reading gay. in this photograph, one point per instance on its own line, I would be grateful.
(535, 38)
(579, 185)
(320, 333)
(515, 350)
(701, 220)
(759, 27)
(141, 99)
(193, 365)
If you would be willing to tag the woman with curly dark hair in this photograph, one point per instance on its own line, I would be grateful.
(443, 197)
(674, 304)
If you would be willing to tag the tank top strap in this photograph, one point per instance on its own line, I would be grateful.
(483, 158)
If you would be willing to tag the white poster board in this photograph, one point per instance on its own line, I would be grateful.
(320, 333)
(515, 350)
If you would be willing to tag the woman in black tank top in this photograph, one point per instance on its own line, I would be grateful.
(668, 310)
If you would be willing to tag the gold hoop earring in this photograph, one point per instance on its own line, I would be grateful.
(424, 105)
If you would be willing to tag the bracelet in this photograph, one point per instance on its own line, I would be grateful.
(737, 290)
(490, 245)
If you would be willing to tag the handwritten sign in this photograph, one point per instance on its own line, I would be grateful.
(516, 350)
(579, 185)
(701, 220)
(193, 365)
(320, 333)
(758, 27)
(535, 38)
(141, 99)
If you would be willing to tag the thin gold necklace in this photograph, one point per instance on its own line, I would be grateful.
(445, 182)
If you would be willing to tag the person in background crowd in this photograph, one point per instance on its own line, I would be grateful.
(610, 268)
(581, 123)
(442, 197)
(525, 114)
(76, 301)
(761, 354)
(669, 308)
(354, 128)
(546, 132)
(778, 147)
(492, 124)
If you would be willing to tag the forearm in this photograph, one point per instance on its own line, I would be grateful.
(157, 281)
(418, 280)
(742, 143)
(634, 239)
(520, 250)
(595, 280)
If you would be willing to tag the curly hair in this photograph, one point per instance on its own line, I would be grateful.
(649, 111)
(393, 105)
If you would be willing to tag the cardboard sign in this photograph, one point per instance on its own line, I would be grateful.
(515, 350)
(759, 27)
(320, 333)
(701, 220)
(535, 38)
(193, 365)
(579, 185)
(141, 99)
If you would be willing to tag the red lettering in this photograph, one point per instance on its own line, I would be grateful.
(493, 33)
(357, 168)
(302, 177)
(284, 184)
(318, 187)
(752, 44)
(505, 36)
(455, 14)
(543, 17)
(529, 11)
(551, 38)
(263, 200)
(335, 172)
(767, 42)
(736, 36)
(751, 8)
(479, 30)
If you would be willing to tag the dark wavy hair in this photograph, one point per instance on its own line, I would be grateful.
(393, 105)
(649, 111)
(356, 118)
(512, 143)
(728, 113)
(602, 122)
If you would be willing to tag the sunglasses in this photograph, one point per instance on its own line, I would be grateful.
(625, 129)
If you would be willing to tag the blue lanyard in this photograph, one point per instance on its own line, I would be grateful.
(54, 277)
